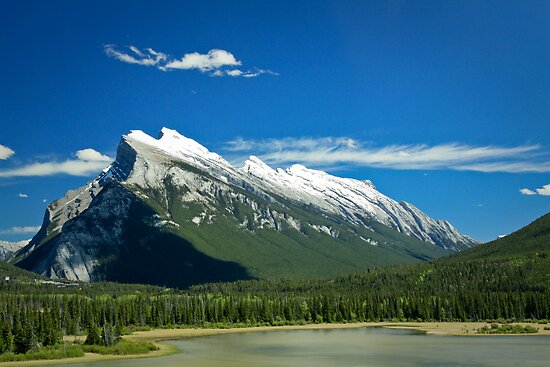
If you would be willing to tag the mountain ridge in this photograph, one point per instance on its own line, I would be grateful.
(270, 225)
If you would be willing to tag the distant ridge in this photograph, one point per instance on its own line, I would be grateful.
(7, 249)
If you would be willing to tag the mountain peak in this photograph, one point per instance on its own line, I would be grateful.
(173, 141)
(167, 131)
(254, 164)
(170, 141)
(173, 146)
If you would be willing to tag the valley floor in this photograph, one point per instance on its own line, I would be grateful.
(159, 335)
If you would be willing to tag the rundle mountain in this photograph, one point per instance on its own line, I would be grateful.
(167, 211)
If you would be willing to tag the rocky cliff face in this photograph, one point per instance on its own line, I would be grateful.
(7, 249)
(255, 220)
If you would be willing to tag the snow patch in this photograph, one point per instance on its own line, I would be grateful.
(326, 230)
(370, 241)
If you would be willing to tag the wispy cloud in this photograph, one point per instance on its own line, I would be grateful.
(88, 161)
(21, 230)
(544, 191)
(245, 74)
(342, 151)
(215, 62)
(148, 57)
(22, 195)
(5, 152)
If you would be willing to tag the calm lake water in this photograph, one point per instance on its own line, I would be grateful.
(373, 347)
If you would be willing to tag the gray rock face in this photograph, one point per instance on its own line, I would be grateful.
(7, 249)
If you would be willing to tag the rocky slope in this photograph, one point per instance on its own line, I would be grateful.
(7, 249)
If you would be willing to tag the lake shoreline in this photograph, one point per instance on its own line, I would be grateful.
(430, 328)
(157, 336)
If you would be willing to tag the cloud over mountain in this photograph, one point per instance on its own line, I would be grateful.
(88, 161)
(21, 230)
(343, 151)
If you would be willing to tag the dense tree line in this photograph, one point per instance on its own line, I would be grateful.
(34, 315)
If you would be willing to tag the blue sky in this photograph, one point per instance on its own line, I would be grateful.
(442, 104)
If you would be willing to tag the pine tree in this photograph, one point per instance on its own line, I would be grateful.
(92, 336)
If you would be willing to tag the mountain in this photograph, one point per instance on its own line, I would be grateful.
(7, 249)
(168, 211)
(530, 241)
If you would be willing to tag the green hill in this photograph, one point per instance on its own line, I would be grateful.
(525, 252)
(531, 240)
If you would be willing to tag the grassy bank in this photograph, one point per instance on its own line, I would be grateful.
(76, 353)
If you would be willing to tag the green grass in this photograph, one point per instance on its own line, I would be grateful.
(60, 351)
(55, 352)
(123, 347)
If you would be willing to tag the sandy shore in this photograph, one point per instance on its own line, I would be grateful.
(158, 335)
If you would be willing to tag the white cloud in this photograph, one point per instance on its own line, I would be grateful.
(342, 151)
(216, 62)
(22, 195)
(527, 192)
(244, 74)
(21, 230)
(235, 72)
(544, 191)
(88, 162)
(212, 60)
(90, 155)
(5, 152)
(512, 167)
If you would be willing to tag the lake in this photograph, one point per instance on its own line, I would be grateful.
(373, 347)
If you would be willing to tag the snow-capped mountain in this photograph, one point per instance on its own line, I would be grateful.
(247, 222)
(7, 249)
(355, 201)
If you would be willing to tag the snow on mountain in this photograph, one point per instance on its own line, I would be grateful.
(355, 201)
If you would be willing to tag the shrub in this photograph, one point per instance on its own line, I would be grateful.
(124, 347)
(56, 352)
